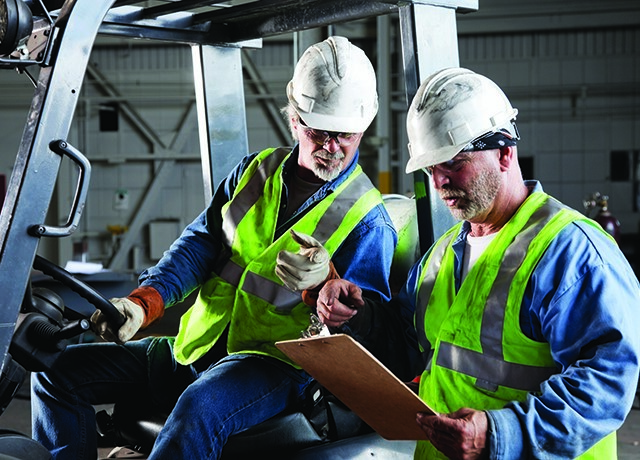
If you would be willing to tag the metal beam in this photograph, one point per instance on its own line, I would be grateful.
(276, 17)
(222, 121)
(429, 43)
(213, 24)
(36, 168)
(383, 121)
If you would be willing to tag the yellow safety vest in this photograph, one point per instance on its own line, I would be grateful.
(480, 358)
(246, 293)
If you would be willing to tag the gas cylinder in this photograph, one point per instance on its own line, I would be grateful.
(607, 221)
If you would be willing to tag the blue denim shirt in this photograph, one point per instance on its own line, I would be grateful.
(584, 300)
(364, 258)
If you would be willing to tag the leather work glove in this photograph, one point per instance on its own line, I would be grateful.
(306, 269)
(133, 313)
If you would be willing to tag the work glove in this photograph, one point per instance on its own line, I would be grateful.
(306, 269)
(133, 313)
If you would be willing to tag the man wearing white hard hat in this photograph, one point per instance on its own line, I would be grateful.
(521, 320)
(282, 222)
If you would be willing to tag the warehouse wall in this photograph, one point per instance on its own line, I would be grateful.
(577, 92)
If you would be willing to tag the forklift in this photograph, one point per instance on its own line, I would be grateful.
(56, 37)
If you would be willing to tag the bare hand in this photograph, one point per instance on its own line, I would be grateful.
(338, 302)
(461, 435)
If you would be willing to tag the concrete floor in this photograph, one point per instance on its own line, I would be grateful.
(17, 417)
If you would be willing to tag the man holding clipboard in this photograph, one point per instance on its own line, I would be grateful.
(521, 319)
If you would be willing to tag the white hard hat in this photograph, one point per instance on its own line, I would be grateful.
(452, 108)
(334, 87)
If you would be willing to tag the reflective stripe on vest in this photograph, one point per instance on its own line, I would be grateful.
(251, 193)
(283, 298)
(487, 369)
(434, 261)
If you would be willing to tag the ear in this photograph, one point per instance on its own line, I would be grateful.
(293, 127)
(507, 157)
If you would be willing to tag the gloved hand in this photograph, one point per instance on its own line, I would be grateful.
(133, 313)
(306, 269)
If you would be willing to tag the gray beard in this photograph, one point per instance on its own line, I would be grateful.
(328, 174)
(483, 191)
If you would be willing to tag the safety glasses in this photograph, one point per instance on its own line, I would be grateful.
(322, 137)
(452, 166)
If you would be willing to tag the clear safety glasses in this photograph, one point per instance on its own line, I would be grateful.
(451, 166)
(322, 137)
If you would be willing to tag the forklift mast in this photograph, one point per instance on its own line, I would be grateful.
(65, 32)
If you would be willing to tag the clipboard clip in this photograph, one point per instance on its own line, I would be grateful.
(316, 328)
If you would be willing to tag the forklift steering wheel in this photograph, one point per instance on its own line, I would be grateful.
(114, 317)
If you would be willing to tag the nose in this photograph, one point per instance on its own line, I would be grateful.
(332, 145)
(439, 178)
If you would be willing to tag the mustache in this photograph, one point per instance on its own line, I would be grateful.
(329, 156)
(451, 192)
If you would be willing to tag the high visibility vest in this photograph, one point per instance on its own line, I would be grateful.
(479, 356)
(246, 293)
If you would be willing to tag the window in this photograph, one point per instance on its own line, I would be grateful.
(108, 116)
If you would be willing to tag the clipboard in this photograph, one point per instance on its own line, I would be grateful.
(361, 382)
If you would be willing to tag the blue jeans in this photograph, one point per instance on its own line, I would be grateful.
(230, 396)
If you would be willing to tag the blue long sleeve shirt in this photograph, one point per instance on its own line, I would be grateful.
(584, 300)
(364, 258)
